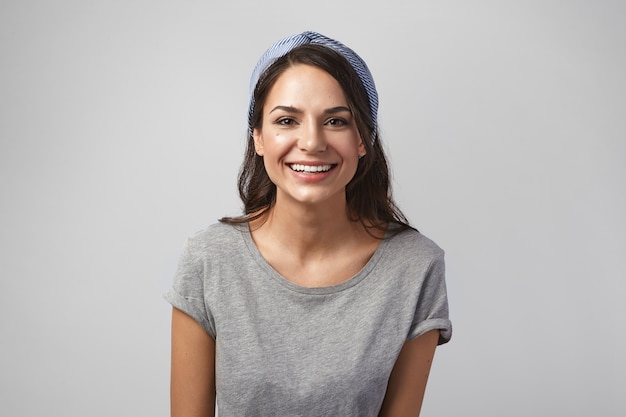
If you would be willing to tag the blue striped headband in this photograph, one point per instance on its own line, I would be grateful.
(284, 46)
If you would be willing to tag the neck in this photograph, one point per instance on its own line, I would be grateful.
(308, 230)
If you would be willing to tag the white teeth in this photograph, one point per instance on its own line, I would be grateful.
(310, 168)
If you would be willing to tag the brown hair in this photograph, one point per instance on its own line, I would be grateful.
(368, 194)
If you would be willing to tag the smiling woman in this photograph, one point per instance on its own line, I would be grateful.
(320, 299)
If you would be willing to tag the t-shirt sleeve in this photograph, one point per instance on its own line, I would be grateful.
(431, 311)
(187, 291)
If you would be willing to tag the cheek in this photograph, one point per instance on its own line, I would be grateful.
(350, 149)
(275, 144)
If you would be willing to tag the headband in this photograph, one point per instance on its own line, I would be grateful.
(284, 46)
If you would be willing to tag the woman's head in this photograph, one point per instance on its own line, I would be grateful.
(368, 193)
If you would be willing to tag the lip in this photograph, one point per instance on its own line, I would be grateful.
(308, 176)
(311, 163)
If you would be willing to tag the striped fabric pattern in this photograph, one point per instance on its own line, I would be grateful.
(283, 46)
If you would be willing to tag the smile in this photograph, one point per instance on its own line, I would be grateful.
(310, 168)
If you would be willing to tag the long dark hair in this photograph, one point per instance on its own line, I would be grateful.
(368, 194)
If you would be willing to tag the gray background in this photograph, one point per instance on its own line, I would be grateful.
(122, 127)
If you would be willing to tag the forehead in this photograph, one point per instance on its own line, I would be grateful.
(308, 84)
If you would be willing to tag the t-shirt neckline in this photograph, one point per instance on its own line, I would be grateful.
(342, 286)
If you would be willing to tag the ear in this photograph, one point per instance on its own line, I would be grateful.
(362, 150)
(258, 141)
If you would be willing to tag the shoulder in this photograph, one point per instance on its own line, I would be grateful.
(215, 240)
(411, 250)
(411, 242)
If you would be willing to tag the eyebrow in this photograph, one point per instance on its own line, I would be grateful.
(291, 109)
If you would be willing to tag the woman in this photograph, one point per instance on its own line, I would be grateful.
(321, 299)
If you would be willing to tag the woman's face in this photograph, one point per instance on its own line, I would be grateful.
(308, 140)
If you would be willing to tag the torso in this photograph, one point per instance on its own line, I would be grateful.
(286, 349)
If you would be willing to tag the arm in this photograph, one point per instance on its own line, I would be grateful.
(407, 383)
(192, 386)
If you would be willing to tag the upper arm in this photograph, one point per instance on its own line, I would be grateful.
(407, 383)
(192, 385)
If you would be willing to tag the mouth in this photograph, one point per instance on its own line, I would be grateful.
(313, 169)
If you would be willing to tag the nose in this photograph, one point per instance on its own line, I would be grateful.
(311, 138)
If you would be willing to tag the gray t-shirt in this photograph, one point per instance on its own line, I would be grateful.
(287, 350)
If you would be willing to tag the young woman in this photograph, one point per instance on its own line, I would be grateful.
(320, 299)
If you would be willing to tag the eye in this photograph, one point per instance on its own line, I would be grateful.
(337, 121)
(285, 121)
